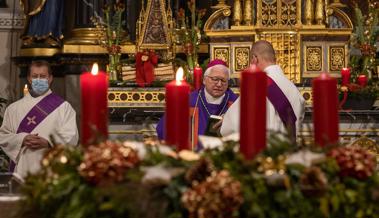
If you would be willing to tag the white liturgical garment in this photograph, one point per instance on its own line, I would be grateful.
(231, 121)
(59, 125)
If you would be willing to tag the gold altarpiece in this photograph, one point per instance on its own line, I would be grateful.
(310, 36)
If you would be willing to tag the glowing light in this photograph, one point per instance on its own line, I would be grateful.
(95, 69)
(179, 75)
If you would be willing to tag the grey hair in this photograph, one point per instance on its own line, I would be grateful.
(221, 67)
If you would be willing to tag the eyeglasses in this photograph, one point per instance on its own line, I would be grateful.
(215, 80)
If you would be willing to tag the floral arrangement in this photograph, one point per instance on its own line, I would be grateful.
(364, 38)
(189, 33)
(110, 34)
(135, 179)
(362, 63)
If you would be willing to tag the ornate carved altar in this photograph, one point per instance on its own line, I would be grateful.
(310, 36)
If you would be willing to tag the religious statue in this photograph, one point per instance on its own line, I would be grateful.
(3, 3)
(44, 22)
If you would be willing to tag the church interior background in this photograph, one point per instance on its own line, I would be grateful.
(309, 36)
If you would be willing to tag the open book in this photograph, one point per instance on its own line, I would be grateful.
(210, 130)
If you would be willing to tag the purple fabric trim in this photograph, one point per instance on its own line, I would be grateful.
(39, 112)
(203, 115)
(282, 105)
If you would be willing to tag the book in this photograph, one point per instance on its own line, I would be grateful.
(210, 130)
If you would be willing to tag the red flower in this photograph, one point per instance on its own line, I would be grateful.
(114, 49)
(181, 13)
(119, 6)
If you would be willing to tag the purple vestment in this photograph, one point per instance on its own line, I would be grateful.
(198, 100)
(282, 105)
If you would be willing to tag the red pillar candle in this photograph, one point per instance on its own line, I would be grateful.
(94, 108)
(362, 80)
(197, 75)
(325, 110)
(345, 76)
(177, 112)
(253, 112)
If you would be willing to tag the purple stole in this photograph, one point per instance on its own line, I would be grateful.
(282, 105)
(37, 114)
(199, 114)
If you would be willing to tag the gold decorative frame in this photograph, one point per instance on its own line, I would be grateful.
(313, 52)
(166, 28)
(221, 52)
(222, 12)
(337, 57)
(274, 12)
(119, 97)
(313, 58)
(287, 48)
(240, 56)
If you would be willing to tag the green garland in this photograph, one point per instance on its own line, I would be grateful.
(293, 190)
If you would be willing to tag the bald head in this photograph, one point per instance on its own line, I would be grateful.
(264, 51)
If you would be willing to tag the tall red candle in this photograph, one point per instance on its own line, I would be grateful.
(94, 108)
(362, 80)
(345, 76)
(197, 75)
(177, 112)
(253, 112)
(325, 110)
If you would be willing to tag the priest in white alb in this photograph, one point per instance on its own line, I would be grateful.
(285, 104)
(34, 123)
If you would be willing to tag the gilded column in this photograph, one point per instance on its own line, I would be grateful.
(319, 13)
(308, 12)
(237, 13)
(248, 15)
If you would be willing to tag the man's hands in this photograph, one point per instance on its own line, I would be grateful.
(33, 141)
(217, 126)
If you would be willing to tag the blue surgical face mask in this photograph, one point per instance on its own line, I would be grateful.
(40, 86)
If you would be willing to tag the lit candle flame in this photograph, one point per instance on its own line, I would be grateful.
(26, 89)
(179, 75)
(95, 69)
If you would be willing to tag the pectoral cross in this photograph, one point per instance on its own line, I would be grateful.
(31, 120)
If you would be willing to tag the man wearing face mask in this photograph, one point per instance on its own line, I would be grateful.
(30, 123)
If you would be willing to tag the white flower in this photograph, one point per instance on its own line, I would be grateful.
(305, 158)
(159, 174)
